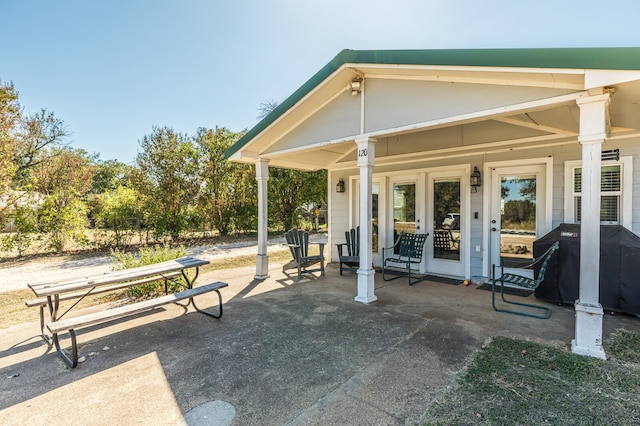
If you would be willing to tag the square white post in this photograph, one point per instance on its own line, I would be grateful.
(262, 258)
(366, 274)
(594, 122)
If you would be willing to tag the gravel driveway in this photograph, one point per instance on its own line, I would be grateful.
(16, 274)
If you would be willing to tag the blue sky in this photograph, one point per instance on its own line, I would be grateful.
(111, 70)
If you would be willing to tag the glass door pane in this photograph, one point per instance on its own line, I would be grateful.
(446, 219)
(517, 219)
(404, 209)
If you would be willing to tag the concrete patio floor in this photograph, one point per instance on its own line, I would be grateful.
(284, 352)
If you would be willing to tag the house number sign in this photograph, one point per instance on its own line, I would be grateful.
(366, 152)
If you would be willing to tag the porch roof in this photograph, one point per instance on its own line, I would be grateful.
(565, 68)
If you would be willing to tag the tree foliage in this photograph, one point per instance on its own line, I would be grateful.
(228, 190)
(179, 183)
(290, 190)
(120, 211)
(109, 175)
(168, 178)
(64, 180)
(9, 119)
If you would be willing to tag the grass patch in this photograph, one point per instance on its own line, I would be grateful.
(245, 261)
(14, 311)
(514, 382)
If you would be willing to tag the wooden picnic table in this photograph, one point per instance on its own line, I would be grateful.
(50, 293)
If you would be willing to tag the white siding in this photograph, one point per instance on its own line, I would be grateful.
(340, 217)
(338, 119)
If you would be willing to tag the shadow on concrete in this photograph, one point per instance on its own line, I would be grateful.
(285, 352)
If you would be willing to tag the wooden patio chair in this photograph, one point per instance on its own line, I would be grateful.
(349, 252)
(523, 282)
(298, 243)
(409, 248)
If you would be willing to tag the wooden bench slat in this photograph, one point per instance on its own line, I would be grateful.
(105, 289)
(183, 262)
(131, 309)
(163, 268)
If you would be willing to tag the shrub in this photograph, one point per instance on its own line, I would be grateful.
(149, 256)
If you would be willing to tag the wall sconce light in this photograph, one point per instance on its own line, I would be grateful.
(340, 186)
(356, 87)
(475, 179)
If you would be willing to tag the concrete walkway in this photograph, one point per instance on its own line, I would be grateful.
(284, 353)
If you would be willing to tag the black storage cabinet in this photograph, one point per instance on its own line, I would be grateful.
(619, 267)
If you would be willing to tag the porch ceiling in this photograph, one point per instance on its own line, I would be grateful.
(534, 123)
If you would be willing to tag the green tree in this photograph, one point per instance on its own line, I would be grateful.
(245, 195)
(228, 190)
(167, 176)
(27, 143)
(41, 138)
(290, 190)
(9, 119)
(120, 212)
(65, 180)
(109, 175)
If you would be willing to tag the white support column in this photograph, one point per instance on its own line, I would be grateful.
(262, 259)
(366, 274)
(594, 124)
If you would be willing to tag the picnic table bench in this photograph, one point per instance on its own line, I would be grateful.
(49, 294)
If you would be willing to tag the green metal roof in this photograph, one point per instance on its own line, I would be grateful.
(619, 58)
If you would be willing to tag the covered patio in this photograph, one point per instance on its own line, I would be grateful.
(404, 130)
(285, 352)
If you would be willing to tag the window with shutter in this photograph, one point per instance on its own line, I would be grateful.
(610, 194)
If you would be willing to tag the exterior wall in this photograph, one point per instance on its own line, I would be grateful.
(339, 216)
(342, 217)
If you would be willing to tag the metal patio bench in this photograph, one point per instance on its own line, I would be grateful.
(443, 241)
(406, 251)
(523, 282)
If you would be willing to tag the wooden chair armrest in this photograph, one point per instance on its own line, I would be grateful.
(320, 246)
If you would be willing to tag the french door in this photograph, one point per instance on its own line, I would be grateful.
(446, 215)
(518, 215)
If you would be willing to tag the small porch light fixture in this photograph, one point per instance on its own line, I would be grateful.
(340, 186)
(475, 179)
(356, 87)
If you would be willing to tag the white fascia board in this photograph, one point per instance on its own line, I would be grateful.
(476, 75)
(577, 71)
(603, 78)
(243, 157)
